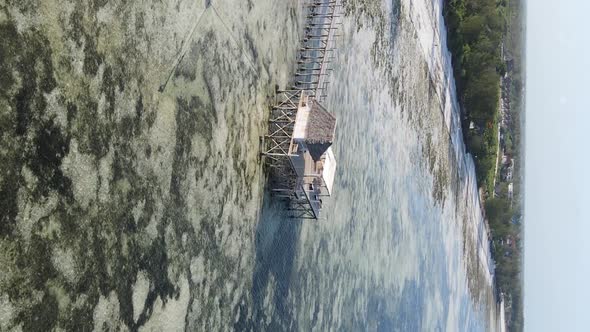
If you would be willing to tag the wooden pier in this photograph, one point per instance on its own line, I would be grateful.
(297, 147)
(317, 47)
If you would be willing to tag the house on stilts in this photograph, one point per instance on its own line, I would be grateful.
(298, 146)
(300, 155)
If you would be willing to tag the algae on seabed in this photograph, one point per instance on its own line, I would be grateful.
(110, 190)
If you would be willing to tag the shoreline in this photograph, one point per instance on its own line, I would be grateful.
(451, 111)
(479, 233)
(488, 59)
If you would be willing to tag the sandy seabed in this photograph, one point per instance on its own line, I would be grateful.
(132, 192)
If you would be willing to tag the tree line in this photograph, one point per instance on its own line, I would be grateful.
(477, 31)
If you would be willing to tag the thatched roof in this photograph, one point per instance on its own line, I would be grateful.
(320, 131)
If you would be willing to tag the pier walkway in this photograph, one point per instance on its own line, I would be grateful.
(284, 152)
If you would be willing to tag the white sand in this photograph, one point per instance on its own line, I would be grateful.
(80, 168)
(170, 316)
(140, 293)
(106, 314)
(64, 262)
(6, 312)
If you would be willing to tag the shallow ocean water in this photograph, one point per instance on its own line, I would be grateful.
(126, 207)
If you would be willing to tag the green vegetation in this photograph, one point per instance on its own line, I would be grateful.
(509, 269)
(478, 32)
(506, 228)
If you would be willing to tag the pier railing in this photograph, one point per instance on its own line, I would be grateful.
(317, 47)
